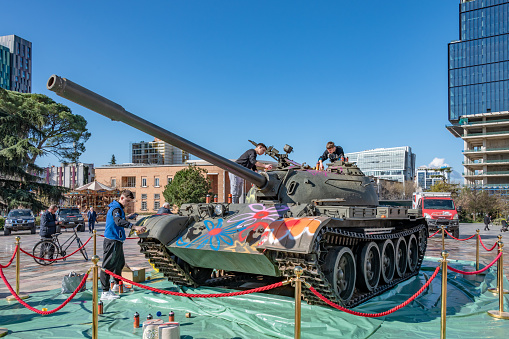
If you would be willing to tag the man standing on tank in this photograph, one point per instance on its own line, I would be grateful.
(114, 237)
(248, 160)
(332, 153)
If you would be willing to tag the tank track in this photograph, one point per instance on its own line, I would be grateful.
(159, 256)
(313, 274)
(164, 261)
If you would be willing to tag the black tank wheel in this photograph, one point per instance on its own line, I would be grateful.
(401, 256)
(339, 269)
(369, 267)
(388, 259)
(413, 253)
(200, 275)
(423, 240)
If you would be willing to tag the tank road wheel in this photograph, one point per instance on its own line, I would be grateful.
(388, 259)
(413, 253)
(401, 256)
(369, 267)
(340, 271)
(423, 240)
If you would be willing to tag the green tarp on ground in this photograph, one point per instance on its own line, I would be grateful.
(271, 316)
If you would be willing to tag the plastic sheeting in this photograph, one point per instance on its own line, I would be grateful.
(272, 316)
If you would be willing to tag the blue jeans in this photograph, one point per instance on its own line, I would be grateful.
(91, 225)
(236, 187)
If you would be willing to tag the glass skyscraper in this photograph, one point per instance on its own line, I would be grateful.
(396, 163)
(479, 61)
(479, 93)
(20, 61)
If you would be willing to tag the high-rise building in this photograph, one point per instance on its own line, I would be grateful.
(479, 92)
(20, 60)
(426, 177)
(157, 152)
(396, 163)
(69, 175)
(5, 68)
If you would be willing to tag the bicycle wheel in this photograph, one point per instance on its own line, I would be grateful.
(45, 249)
(83, 250)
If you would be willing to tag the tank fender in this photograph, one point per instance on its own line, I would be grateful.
(164, 228)
(292, 234)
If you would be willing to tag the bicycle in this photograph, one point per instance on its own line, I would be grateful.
(52, 249)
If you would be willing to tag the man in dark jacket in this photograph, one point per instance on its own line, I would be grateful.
(49, 223)
(332, 153)
(165, 209)
(92, 218)
(248, 160)
(487, 221)
(48, 227)
(114, 237)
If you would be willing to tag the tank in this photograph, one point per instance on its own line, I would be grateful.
(328, 222)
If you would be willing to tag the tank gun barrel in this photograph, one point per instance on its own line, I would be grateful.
(93, 101)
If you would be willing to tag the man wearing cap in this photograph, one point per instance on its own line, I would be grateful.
(248, 160)
(332, 153)
(114, 237)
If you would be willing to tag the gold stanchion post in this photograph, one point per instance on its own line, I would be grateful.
(477, 251)
(95, 242)
(95, 310)
(298, 273)
(18, 267)
(495, 289)
(443, 237)
(500, 277)
(444, 294)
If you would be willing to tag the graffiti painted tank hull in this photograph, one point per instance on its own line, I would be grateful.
(328, 222)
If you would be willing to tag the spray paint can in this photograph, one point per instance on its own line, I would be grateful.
(121, 286)
(100, 307)
(136, 320)
(230, 198)
(215, 198)
(207, 199)
(112, 283)
(149, 316)
(171, 317)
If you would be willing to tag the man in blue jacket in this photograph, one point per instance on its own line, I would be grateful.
(92, 218)
(114, 237)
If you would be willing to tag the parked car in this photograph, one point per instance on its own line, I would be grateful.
(71, 217)
(19, 219)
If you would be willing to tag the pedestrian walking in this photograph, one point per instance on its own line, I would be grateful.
(92, 218)
(487, 221)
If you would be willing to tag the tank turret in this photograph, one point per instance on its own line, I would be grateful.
(328, 222)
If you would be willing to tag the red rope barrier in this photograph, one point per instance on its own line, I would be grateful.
(491, 249)
(434, 234)
(375, 315)
(67, 256)
(125, 238)
(83, 281)
(179, 294)
(12, 258)
(477, 272)
(473, 235)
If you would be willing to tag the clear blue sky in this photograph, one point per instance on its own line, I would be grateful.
(365, 74)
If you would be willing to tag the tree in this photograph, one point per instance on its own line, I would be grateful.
(188, 186)
(19, 132)
(59, 131)
(113, 161)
